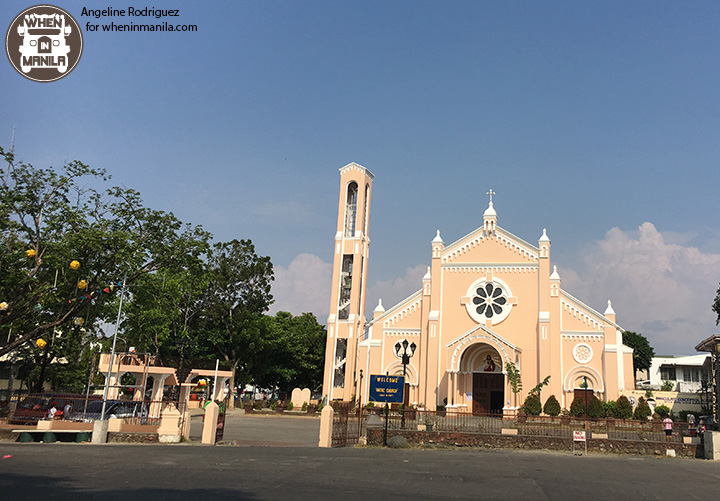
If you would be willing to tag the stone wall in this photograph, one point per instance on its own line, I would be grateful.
(488, 441)
(133, 438)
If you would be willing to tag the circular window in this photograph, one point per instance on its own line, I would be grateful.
(582, 353)
(489, 301)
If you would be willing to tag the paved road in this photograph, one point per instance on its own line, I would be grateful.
(278, 471)
(108, 472)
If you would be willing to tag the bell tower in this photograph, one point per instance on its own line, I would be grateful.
(346, 321)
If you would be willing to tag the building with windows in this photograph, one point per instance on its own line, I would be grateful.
(680, 373)
(489, 301)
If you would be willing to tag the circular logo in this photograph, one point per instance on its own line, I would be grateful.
(44, 43)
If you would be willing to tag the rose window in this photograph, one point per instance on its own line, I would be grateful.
(488, 301)
(582, 353)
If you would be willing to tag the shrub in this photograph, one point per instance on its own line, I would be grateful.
(595, 408)
(370, 405)
(609, 408)
(304, 407)
(667, 386)
(642, 411)
(552, 406)
(320, 407)
(663, 411)
(577, 408)
(532, 405)
(623, 408)
(289, 406)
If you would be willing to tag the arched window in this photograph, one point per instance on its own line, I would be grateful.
(351, 209)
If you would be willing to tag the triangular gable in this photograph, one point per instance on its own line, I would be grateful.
(506, 248)
(582, 314)
(482, 334)
(401, 310)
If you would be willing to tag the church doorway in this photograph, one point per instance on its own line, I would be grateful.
(488, 393)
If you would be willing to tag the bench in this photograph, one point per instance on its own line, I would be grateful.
(50, 436)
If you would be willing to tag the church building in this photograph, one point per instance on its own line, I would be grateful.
(488, 301)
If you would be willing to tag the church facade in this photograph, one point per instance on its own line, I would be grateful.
(489, 302)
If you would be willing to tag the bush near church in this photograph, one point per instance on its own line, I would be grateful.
(552, 406)
(642, 411)
(623, 408)
(532, 405)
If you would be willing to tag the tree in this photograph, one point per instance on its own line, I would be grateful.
(513, 375)
(65, 250)
(532, 405)
(552, 406)
(642, 410)
(643, 353)
(623, 408)
(716, 306)
(237, 295)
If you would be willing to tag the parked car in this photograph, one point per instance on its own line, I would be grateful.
(113, 409)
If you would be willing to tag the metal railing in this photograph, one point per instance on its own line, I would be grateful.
(535, 426)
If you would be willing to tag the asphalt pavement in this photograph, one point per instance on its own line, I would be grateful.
(272, 470)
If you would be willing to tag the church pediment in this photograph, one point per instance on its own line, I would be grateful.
(480, 334)
(499, 247)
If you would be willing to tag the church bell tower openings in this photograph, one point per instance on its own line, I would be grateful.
(346, 321)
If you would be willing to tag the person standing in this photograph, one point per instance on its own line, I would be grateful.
(67, 410)
(668, 423)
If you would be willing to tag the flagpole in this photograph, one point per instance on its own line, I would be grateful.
(112, 352)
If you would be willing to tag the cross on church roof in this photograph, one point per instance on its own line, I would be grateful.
(491, 193)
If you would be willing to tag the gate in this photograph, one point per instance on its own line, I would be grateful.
(346, 424)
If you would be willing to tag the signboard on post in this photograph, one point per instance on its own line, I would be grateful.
(388, 389)
(579, 436)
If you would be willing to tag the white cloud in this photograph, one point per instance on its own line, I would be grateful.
(395, 290)
(659, 287)
(304, 286)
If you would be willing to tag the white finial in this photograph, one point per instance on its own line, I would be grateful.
(491, 193)
(437, 238)
(609, 310)
(544, 237)
(554, 275)
(427, 275)
(379, 308)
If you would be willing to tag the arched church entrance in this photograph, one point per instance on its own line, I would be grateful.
(484, 364)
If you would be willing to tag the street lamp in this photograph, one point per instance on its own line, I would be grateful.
(405, 351)
(359, 400)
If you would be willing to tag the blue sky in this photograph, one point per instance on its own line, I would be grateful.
(596, 120)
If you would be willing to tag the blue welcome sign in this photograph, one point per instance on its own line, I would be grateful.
(389, 389)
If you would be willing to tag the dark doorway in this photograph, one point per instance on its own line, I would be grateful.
(488, 393)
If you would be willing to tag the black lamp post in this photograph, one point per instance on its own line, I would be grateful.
(360, 394)
(405, 351)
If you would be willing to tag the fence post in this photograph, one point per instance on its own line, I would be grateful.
(326, 425)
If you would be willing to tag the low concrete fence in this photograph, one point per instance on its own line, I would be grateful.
(493, 441)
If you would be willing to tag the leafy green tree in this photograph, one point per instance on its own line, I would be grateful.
(643, 353)
(595, 408)
(532, 405)
(50, 218)
(623, 408)
(237, 295)
(663, 411)
(642, 410)
(577, 408)
(552, 406)
(513, 375)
